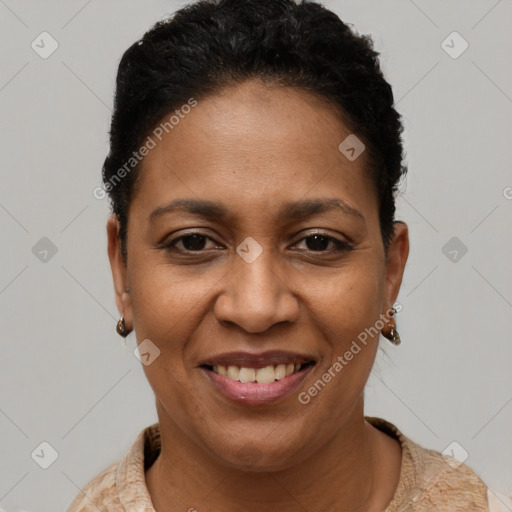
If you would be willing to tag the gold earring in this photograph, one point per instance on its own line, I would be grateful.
(121, 328)
(392, 335)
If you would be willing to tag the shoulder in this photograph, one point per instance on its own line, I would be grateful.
(443, 481)
(121, 485)
(99, 493)
(430, 480)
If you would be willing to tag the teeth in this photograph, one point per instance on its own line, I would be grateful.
(233, 372)
(247, 375)
(280, 371)
(265, 375)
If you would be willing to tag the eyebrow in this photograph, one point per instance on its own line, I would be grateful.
(290, 211)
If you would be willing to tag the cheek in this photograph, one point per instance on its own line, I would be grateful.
(166, 300)
(347, 310)
(169, 305)
(348, 302)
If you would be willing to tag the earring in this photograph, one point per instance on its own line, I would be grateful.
(121, 328)
(392, 335)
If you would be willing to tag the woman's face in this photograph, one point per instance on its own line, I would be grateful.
(263, 282)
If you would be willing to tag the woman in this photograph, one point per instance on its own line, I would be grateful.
(255, 156)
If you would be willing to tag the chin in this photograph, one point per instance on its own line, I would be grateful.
(263, 453)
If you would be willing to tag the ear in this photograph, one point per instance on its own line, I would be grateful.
(119, 270)
(398, 252)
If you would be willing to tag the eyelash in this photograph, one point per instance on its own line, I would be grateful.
(339, 246)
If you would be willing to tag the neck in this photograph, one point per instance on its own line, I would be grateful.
(339, 476)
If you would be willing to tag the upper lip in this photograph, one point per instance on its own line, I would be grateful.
(257, 360)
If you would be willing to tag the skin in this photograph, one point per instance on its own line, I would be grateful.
(252, 148)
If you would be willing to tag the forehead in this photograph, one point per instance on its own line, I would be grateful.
(265, 143)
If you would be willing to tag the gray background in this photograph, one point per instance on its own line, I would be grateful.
(69, 380)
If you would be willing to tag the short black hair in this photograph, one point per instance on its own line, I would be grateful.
(209, 45)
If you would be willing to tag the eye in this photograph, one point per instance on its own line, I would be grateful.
(193, 242)
(319, 242)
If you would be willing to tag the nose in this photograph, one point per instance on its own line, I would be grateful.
(255, 295)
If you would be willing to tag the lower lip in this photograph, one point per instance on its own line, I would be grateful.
(252, 393)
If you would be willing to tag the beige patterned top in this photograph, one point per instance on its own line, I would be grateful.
(429, 481)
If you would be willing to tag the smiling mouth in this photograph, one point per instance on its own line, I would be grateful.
(264, 375)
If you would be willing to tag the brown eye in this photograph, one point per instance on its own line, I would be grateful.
(194, 242)
(189, 243)
(319, 242)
